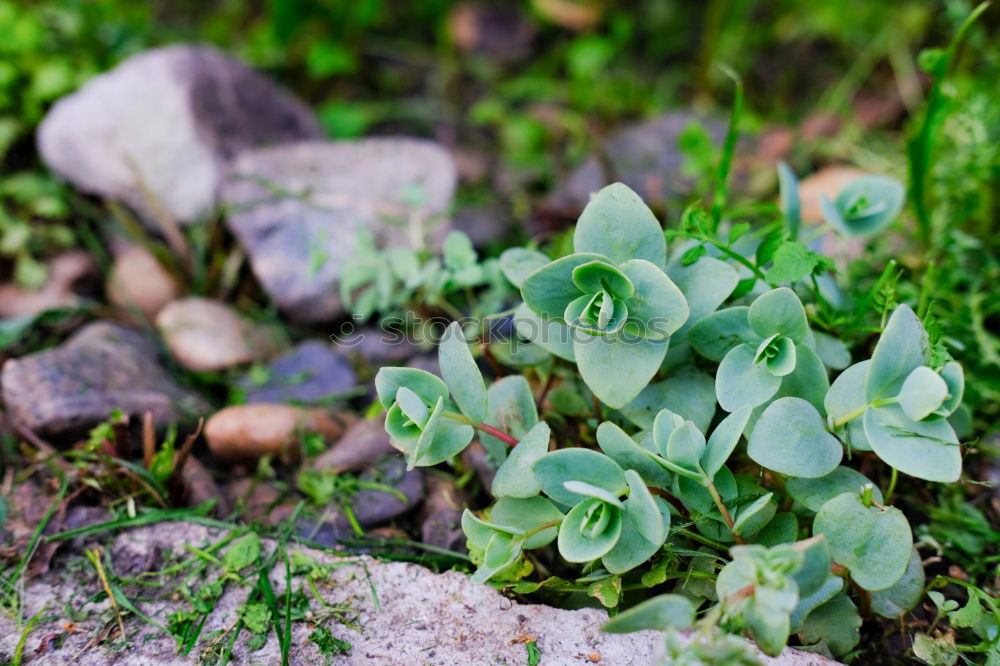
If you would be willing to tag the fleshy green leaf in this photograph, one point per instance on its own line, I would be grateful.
(619, 225)
(723, 441)
(596, 276)
(873, 543)
(644, 529)
(751, 519)
(689, 392)
(686, 446)
(666, 611)
(816, 560)
(549, 289)
(954, 377)
(828, 590)
(441, 439)
(808, 381)
(424, 384)
(925, 449)
(791, 205)
(739, 382)
(461, 374)
(865, 206)
(527, 514)
(588, 490)
(902, 348)
(617, 367)
(514, 478)
(517, 263)
(621, 448)
(412, 407)
(658, 308)
(904, 593)
(814, 493)
(596, 314)
(779, 311)
(847, 396)
(716, 334)
(589, 531)
(923, 393)
(510, 407)
(832, 351)
(790, 439)
(777, 354)
(551, 335)
(783, 528)
(836, 623)
(501, 551)
(664, 425)
(706, 284)
(577, 464)
(791, 262)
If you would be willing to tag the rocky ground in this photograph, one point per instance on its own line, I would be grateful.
(186, 137)
(389, 613)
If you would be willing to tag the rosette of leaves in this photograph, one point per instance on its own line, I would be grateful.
(762, 588)
(897, 403)
(865, 206)
(613, 294)
(612, 515)
(764, 350)
(429, 419)
(497, 543)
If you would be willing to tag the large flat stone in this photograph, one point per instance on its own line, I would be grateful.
(405, 615)
(158, 130)
(102, 367)
(298, 209)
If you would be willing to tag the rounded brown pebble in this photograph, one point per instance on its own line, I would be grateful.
(138, 280)
(206, 335)
(247, 432)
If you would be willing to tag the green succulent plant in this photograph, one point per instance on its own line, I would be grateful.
(651, 468)
(613, 294)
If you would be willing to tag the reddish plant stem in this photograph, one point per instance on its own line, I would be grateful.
(499, 434)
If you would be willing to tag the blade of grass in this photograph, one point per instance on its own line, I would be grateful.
(921, 146)
(33, 544)
(19, 651)
(94, 555)
(721, 191)
(194, 514)
(286, 644)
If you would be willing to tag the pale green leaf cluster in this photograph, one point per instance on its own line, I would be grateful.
(635, 345)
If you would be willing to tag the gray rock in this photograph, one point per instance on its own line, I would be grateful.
(206, 335)
(104, 366)
(362, 443)
(645, 157)
(405, 615)
(309, 374)
(440, 515)
(375, 346)
(297, 210)
(158, 130)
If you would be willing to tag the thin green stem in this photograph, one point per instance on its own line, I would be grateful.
(732, 254)
(892, 486)
(849, 416)
(694, 536)
(541, 528)
(722, 509)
